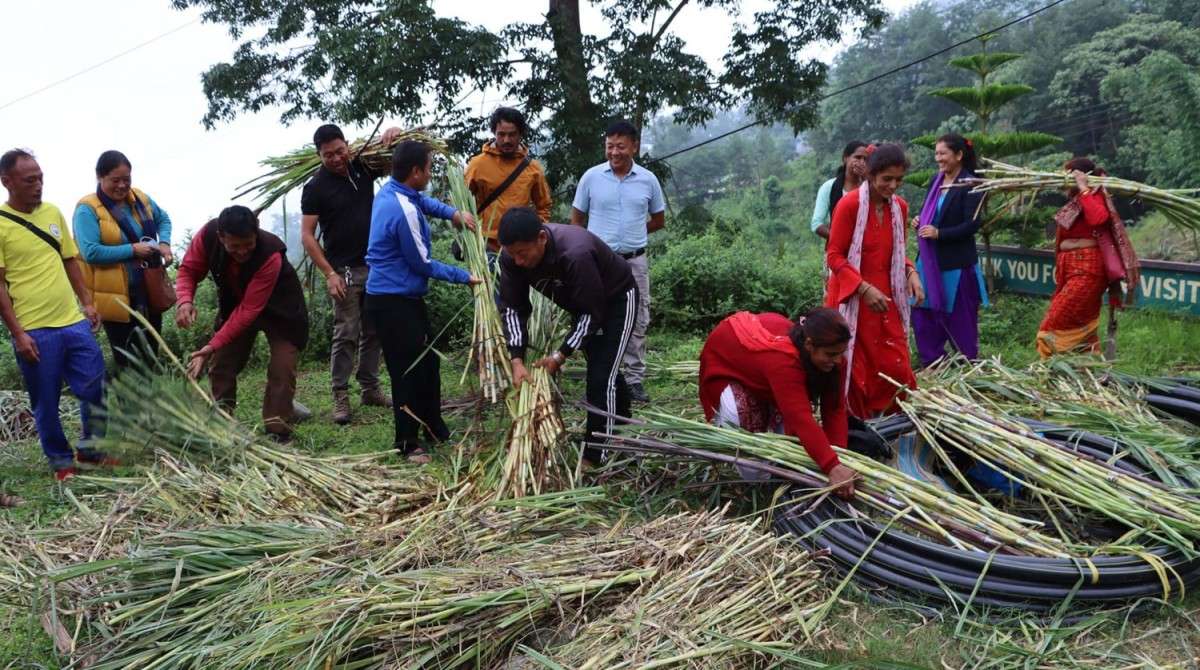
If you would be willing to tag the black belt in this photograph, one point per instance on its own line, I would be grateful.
(634, 254)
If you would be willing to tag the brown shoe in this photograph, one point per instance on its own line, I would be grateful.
(419, 456)
(375, 398)
(341, 407)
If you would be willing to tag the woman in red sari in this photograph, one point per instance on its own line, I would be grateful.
(872, 281)
(761, 372)
(1081, 276)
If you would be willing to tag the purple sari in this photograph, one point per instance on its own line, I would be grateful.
(932, 273)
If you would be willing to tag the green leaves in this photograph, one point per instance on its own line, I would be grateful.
(352, 61)
(983, 64)
(995, 145)
(999, 145)
(345, 60)
(983, 100)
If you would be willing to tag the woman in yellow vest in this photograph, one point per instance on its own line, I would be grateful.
(118, 228)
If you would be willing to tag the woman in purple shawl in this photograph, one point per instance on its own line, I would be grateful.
(947, 259)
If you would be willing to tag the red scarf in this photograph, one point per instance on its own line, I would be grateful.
(755, 337)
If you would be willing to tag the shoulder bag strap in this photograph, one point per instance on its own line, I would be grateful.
(504, 184)
(111, 205)
(46, 237)
(146, 213)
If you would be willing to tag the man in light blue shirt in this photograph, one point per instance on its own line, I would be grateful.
(622, 202)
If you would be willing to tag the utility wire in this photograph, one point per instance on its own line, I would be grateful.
(1098, 111)
(935, 54)
(102, 63)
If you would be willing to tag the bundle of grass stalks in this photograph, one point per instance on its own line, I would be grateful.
(1062, 479)
(176, 490)
(680, 369)
(16, 418)
(963, 522)
(1081, 393)
(150, 413)
(295, 168)
(537, 427)
(742, 598)
(1177, 205)
(457, 586)
(106, 531)
(489, 350)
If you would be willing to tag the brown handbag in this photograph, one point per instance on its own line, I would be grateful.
(160, 294)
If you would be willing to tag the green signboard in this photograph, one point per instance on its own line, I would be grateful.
(1164, 285)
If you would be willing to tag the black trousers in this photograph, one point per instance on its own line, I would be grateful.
(402, 325)
(128, 341)
(606, 387)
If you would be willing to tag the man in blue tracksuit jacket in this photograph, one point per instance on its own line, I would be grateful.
(399, 269)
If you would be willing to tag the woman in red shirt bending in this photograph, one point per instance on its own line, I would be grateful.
(762, 372)
(871, 283)
(1081, 272)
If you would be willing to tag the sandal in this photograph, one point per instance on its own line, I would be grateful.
(418, 456)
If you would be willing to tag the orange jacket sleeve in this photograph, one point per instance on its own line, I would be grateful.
(539, 192)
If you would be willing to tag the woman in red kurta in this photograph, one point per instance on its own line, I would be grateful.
(1072, 323)
(871, 282)
(761, 372)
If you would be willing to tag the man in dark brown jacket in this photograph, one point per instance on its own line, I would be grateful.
(257, 290)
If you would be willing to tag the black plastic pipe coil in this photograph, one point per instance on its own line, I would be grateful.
(901, 560)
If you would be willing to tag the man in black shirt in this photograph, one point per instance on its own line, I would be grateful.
(338, 199)
(579, 273)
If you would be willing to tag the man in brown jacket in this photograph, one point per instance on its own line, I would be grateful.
(503, 176)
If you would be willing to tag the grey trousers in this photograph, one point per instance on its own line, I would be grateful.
(634, 362)
(353, 337)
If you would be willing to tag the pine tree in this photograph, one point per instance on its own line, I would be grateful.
(983, 100)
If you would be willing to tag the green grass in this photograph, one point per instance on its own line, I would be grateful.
(860, 630)
(1154, 237)
(1148, 342)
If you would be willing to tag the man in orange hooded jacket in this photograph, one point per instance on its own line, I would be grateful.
(502, 157)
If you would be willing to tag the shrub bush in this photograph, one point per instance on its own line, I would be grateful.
(696, 281)
(450, 305)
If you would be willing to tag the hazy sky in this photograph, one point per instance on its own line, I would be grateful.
(148, 103)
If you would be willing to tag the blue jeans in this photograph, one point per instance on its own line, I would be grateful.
(69, 354)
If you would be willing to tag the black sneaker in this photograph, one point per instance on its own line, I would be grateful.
(280, 438)
(636, 392)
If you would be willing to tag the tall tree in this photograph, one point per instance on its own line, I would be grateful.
(355, 60)
(928, 26)
(1132, 93)
(983, 100)
(910, 35)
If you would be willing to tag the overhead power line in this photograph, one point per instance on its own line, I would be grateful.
(865, 82)
(102, 63)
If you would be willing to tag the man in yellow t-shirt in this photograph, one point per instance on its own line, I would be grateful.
(40, 279)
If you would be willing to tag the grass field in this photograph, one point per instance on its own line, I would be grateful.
(860, 630)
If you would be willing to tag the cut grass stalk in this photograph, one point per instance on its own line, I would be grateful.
(1179, 206)
(489, 350)
(956, 520)
(292, 170)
